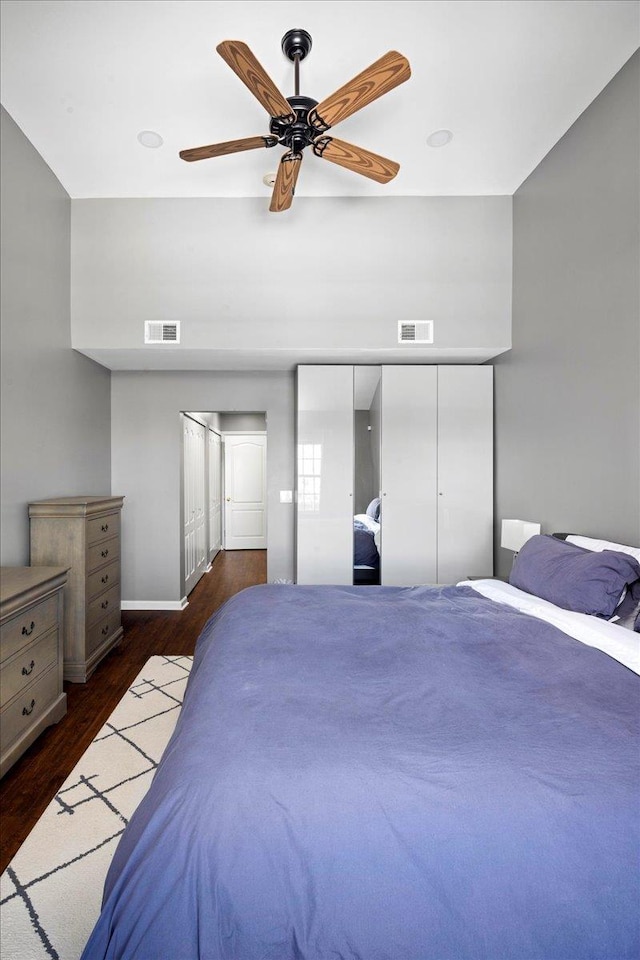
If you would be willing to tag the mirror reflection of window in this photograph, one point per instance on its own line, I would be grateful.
(367, 531)
(309, 476)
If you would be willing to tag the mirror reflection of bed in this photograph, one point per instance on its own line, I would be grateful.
(367, 520)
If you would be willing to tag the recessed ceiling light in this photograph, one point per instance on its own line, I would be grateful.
(439, 138)
(151, 139)
(269, 179)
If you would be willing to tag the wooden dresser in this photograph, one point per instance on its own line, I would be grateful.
(31, 619)
(83, 533)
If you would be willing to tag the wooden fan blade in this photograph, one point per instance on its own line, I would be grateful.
(356, 158)
(285, 184)
(381, 77)
(222, 149)
(253, 75)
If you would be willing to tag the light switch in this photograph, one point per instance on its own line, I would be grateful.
(286, 496)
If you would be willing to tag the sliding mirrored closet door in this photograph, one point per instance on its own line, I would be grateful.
(366, 474)
(325, 475)
(465, 472)
(429, 454)
(409, 474)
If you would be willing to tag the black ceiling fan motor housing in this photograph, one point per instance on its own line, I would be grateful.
(299, 134)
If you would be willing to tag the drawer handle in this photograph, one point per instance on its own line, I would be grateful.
(104, 604)
(25, 672)
(105, 630)
(104, 553)
(104, 527)
(27, 633)
(105, 578)
(26, 712)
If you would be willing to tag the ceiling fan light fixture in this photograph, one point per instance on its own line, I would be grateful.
(439, 138)
(150, 139)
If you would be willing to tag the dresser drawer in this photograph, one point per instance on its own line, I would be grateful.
(102, 579)
(101, 528)
(102, 605)
(27, 665)
(102, 630)
(101, 553)
(26, 709)
(28, 625)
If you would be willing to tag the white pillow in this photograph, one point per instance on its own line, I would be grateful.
(597, 545)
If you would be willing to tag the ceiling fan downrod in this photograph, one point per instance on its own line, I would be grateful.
(296, 45)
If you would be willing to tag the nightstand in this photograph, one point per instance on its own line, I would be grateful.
(31, 694)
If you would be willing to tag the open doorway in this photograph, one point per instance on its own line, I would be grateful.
(224, 487)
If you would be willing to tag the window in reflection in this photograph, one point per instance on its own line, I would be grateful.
(309, 472)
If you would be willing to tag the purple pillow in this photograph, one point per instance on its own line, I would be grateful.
(569, 576)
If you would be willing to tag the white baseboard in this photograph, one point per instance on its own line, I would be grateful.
(154, 604)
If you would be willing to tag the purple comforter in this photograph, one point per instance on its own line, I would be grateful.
(386, 774)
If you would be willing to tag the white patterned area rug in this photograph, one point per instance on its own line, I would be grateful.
(50, 893)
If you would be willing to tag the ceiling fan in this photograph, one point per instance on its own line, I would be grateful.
(298, 122)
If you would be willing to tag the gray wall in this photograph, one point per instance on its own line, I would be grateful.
(231, 421)
(340, 273)
(55, 430)
(146, 465)
(243, 422)
(568, 394)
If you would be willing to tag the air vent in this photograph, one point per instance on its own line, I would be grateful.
(156, 332)
(418, 331)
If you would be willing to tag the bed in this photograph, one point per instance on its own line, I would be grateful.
(391, 774)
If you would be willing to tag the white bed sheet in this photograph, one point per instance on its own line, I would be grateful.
(372, 525)
(588, 543)
(618, 642)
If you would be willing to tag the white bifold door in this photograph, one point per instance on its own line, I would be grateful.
(195, 557)
(215, 493)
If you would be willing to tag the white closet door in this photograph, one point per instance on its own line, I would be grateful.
(325, 475)
(465, 472)
(215, 494)
(195, 514)
(409, 475)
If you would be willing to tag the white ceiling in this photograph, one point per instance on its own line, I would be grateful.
(83, 77)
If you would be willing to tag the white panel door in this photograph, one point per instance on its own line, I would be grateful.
(324, 485)
(245, 484)
(409, 475)
(465, 472)
(194, 504)
(215, 493)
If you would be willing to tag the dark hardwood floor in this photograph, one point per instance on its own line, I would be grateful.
(35, 779)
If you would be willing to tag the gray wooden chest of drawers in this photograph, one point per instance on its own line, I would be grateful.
(31, 618)
(84, 534)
